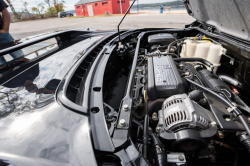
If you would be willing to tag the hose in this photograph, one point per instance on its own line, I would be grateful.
(178, 48)
(207, 63)
(158, 147)
(140, 101)
(229, 80)
(174, 42)
(145, 126)
(246, 143)
(155, 105)
(139, 117)
(245, 139)
(159, 150)
(234, 109)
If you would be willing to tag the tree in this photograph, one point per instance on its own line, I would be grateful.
(51, 10)
(25, 10)
(59, 5)
(48, 2)
(39, 9)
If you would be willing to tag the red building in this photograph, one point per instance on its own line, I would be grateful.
(101, 7)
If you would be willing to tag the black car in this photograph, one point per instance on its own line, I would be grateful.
(65, 14)
(133, 97)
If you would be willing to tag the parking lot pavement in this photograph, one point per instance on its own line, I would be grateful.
(29, 28)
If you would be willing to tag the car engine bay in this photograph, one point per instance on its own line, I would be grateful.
(183, 104)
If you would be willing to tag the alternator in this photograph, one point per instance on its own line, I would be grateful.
(178, 113)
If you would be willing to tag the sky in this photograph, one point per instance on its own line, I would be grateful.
(69, 3)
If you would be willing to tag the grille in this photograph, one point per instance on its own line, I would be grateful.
(81, 73)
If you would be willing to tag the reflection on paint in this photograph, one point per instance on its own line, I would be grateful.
(35, 87)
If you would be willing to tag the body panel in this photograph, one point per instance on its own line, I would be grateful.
(230, 17)
(34, 128)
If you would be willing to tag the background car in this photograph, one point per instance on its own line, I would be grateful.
(65, 14)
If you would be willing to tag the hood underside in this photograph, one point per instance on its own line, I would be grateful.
(228, 16)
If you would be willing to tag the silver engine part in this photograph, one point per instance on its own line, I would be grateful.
(179, 112)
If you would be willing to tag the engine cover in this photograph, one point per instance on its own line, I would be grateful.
(163, 78)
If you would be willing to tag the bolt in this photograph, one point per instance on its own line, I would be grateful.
(158, 128)
(125, 107)
(154, 116)
(213, 123)
(110, 118)
(220, 134)
(181, 65)
(229, 109)
(187, 74)
(181, 158)
(122, 122)
(248, 120)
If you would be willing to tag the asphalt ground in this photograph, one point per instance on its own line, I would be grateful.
(134, 21)
(30, 28)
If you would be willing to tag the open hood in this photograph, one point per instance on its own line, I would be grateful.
(230, 16)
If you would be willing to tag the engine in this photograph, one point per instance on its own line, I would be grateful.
(189, 106)
(173, 96)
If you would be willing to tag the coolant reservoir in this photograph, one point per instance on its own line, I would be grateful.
(203, 49)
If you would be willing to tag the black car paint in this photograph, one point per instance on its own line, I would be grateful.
(37, 130)
(24, 145)
(64, 39)
(45, 132)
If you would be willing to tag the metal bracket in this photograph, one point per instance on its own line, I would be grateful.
(232, 60)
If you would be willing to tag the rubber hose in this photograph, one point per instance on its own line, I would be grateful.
(158, 147)
(145, 126)
(245, 123)
(145, 136)
(246, 143)
(229, 80)
(155, 105)
(194, 60)
(139, 117)
(159, 150)
(174, 42)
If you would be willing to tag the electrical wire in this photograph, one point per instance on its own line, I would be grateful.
(233, 108)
